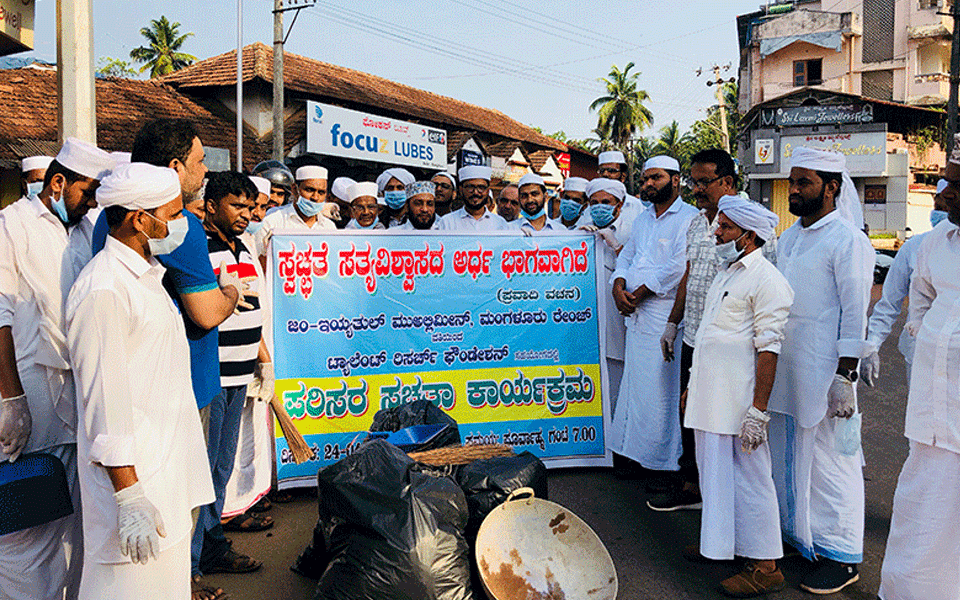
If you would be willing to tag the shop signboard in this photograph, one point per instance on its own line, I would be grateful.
(866, 153)
(807, 116)
(16, 26)
(763, 152)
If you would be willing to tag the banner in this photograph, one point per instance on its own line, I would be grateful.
(499, 330)
(335, 131)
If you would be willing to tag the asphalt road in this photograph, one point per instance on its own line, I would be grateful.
(645, 546)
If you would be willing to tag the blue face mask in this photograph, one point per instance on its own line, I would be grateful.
(34, 189)
(532, 217)
(395, 199)
(254, 226)
(570, 209)
(59, 208)
(309, 207)
(356, 224)
(602, 214)
(936, 216)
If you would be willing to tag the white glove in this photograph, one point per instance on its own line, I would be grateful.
(590, 228)
(139, 524)
(753, 429)
(870, 368)
(265, 375)
(331, 210)
(239, 283)
(610, 238)
(667, 341)
(840, 398)
(912, 327)
(15, 426)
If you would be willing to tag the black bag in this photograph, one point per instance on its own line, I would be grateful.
(33, 491)
(489, 481)
(419, 412)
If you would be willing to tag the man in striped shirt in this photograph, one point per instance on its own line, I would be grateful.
(228, 201)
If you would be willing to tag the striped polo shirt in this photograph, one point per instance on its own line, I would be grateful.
(240, 333)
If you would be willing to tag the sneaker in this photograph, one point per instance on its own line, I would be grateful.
(751, 581)
(676, 499)
(829, 577)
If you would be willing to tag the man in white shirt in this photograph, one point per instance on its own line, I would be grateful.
(38, 235)
(573, 201)
(828, 261)
(365, 206)
(646, 424)
(140, 438)
(421, 207)
(922, 558)
(734, 363)
(33, 172)
(391, 185)
(508, 203)
(532, 193)
(613, 165)
(474, 216)
(303, 214)
(446, 188)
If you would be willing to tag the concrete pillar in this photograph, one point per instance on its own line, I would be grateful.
(75, 71)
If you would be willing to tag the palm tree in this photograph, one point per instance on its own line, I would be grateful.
(161, 54)
(673, 143)
(621, 111)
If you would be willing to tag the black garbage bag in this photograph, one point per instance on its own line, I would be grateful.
(489, 481)
(390, 532)
(419, 412)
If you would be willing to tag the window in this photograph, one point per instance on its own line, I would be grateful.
(807, 72)
(875, 194)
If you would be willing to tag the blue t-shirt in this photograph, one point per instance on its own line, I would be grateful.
(188, 271)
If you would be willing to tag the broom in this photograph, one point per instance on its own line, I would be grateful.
(298, 446)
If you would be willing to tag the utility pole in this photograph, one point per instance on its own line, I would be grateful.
(240, 86)
(719, 81)
(954, 77)
(279, 39)
(75, 81)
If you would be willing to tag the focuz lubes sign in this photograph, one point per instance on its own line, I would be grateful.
(335, 131)
(500, 331)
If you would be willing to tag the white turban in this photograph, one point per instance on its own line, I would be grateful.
(364, 188)
(262, 183)
(749, 215)
(85, 159)
(575, 184)
(340, 188)
(138, 186)
(402, 175)
(612, 156)
(475, 172)
(942, 185)
(531, 178)
(611, 186)
(122, 158)
(667, 163)
(311, 172)
(36, 162)
(848, 202)
(453, 180)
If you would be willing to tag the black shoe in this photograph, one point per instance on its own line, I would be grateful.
(829, 577)
(676, 499)
(659, 485)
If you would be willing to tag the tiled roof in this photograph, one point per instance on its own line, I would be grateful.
(28, 114)
(354, 89)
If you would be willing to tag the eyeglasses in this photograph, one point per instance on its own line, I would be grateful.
(609, 170)
(476, 187)
(703, 183)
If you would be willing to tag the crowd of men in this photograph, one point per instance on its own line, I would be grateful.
(135, 339)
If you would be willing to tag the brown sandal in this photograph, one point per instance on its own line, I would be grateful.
(248, 522)
(199, 591)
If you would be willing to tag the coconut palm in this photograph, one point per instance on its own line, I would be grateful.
(621, 112)
(161, 54)
(674, 143)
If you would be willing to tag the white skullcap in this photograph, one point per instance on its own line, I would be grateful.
(611, 186)
(942, 185)
(122, 158)
(311, 172)
(341, 187)
(262, 183)
(575, 184)
(749, 215)
(612, 156)
(36, 162)
(85, 159)
(667, 163)
(402, 175)
(848, 203)
(453, 180)
(531, 178)
(364, 188)
(138, 186)
(474, 172)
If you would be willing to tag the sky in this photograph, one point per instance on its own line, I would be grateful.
(536, 61)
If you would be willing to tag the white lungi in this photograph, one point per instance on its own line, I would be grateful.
(922, 561)
(250, 479)
(166, 578)
(44, 562)
(820, 490)
(740, 515)
(614, 377)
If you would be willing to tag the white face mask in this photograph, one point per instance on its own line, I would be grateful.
(728, 252)
(34, 189)
(176, 233)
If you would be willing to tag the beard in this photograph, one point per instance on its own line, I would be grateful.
(804, 207)
(664, 194)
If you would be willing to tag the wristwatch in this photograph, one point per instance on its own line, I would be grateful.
(850, 374)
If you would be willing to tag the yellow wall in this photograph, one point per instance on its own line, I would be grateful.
(780, 204)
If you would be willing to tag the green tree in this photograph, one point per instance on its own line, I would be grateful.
(621, 112)
(114, 67)
(674, 143)
(162, 53)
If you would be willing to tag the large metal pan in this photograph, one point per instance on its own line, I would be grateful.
(533, 549)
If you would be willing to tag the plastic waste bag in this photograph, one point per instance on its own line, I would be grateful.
(420, 412)
(488, 482)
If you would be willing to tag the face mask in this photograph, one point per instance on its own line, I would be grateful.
(34, 189)
(254, 226)
(59, 207)
(176, 233)
(602, 214)
(359, 226)
(728, 252)
(537, 215)
(309, 207)
(570, 209)
(936, 216)
(395, 199)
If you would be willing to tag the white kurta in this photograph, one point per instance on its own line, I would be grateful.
(896, 288)
(135, 401)
(461, 220)
(548, 225)
(923, 552)
(646, 424)
(286, 218)
(408, 226)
